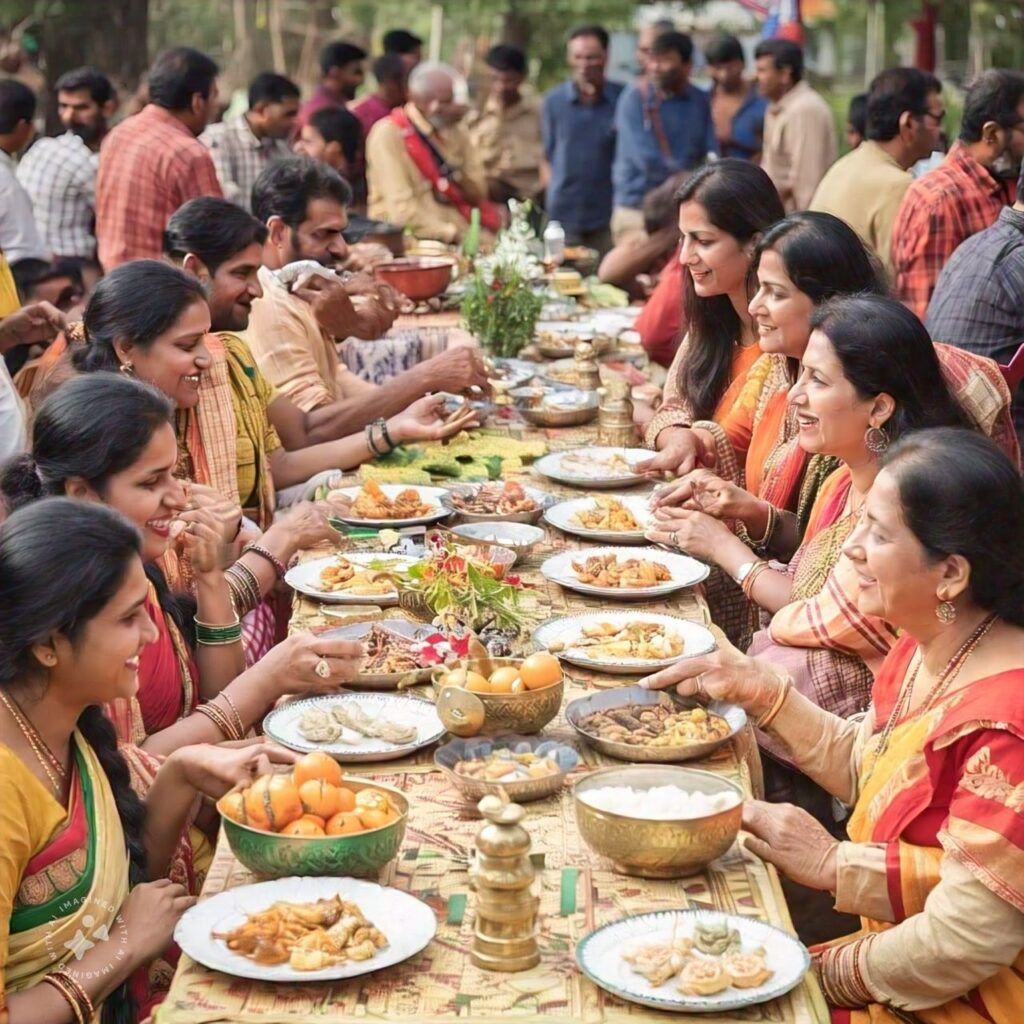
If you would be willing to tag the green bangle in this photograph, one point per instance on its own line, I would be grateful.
(213, 635)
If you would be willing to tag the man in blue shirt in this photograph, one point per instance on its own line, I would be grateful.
(663, 125)
(578, 124)
(737, 108)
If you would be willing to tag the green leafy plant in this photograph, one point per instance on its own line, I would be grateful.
(501, 310)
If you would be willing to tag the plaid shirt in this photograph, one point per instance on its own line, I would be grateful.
(942, 208)
(149, 165)
(239, 157)
(978, 303)
(59, 175)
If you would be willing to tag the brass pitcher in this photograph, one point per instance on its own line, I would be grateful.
(587, 372)
(615, 427)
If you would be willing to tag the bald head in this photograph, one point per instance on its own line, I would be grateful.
(439, 93)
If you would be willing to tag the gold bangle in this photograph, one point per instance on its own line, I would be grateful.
(770, 527)
(57, 981)
(780, 698)
(219, 719)
(747, 586)
(239, 724)
(83, 997)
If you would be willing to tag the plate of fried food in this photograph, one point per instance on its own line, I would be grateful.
(602, 468)
(693, 961)
(305, 929)
(496, 502)
(611, 518)
(376, 504)
(638, 725)
(356, 727)
(624, 573)
(624, 643)
(350, 578)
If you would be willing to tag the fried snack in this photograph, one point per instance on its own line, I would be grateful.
(343, 576)
(351, 716)
(747, 970)
(661, 960)
(495, 499)
(373, 503)
(656, 725)
(306, 936)
(607, 514)
(635, 640)
(505, 766)
(716, 938)
(703, 978)
(622, 573)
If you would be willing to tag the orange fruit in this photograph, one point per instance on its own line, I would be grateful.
(503, 680)
(540, 670)
(303, 826)
(344, 823)
(317, 765)
(254, 804)
(319, 798)
(476, 683)
(373, 819)
(316, 819)
(346, 798)
(233, 806)
(281, 802)
(372, 800)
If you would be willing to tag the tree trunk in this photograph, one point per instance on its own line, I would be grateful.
(515, 27)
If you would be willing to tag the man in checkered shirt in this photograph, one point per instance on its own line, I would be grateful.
(59, 173)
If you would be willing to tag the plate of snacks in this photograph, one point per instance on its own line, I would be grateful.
(376, 504)
(350, 578)
(305, 929)
(624, 643)
(594, 467)
(634, 724)
(356, 727)
(608, 518)
(624, 573)
(526, 767)
(693, 961)
(509, 502)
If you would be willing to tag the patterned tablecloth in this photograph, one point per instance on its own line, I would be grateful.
(578, 892)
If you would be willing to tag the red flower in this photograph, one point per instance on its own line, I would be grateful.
(496, 284)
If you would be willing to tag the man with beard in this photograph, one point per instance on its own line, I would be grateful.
(663, 126)
(296, 323)
(59, 173)
(423, 171)
(344, 70)
(966, 192)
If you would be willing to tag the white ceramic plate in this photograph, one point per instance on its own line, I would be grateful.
(582, 467)
(282, 725)
(697, 640)
(408, 923)
(428, 496)
(305, 578)
(561, 515)
(599, 955)
(685, 572)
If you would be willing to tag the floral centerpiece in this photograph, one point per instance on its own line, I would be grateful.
(501, 310)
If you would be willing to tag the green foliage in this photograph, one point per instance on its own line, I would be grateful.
(501, 312)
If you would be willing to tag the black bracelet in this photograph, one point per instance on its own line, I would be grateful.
(370, 441)
(384, 432)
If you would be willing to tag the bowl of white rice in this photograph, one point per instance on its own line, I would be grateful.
(658, 821)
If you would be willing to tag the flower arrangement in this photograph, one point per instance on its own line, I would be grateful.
(501, 310)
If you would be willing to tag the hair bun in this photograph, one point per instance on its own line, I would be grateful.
(20, 482)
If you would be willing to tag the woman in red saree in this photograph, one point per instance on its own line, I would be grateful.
(934, 772)
(87, 904)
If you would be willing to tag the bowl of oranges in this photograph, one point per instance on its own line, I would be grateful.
(314, 820)
(494, 695)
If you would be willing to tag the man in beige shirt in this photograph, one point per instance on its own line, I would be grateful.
(400, 192)
(505, 130)
(865, 187)
(294, 327)
(799, 130)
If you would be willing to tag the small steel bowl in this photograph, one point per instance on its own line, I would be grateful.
(655, 848)
(605, 700)
(518, 537)
(417, 277)
(527, 712)
(540, 498)
(448, 756)
(361, 854)
(568, 408)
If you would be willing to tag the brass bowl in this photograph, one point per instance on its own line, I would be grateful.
(657, 849)
(361, 854)
(526, 713)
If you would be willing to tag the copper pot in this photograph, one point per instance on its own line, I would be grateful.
(417, 277)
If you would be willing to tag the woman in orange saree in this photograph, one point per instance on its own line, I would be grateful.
(934, 772)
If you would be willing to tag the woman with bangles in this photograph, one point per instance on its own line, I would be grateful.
(934, 771)
(106, 438)
(87, 910)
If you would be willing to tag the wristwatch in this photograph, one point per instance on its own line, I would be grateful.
(744, 571)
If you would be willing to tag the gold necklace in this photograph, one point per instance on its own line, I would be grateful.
(55, 771)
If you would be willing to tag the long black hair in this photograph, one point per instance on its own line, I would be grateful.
(42, 547)
(960, 494)
(739, 199)
(137, 301)
(884, 348)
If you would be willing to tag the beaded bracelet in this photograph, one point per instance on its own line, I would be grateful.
(279, 567)
(211, 634)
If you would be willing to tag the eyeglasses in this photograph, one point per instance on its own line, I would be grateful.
(936, 118)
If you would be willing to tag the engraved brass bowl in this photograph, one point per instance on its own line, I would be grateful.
(654, 848)
(526, 713)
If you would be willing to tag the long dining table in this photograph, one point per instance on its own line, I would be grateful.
(578, 891)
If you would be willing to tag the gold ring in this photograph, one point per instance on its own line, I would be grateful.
(699, 682)
(322, 669)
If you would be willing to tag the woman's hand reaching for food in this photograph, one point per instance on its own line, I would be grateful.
(212, 769)
(794, 841)
(696, 533)
(681, 451)
(706, 492)
(309, 663)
